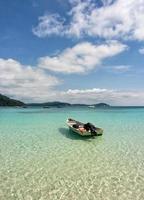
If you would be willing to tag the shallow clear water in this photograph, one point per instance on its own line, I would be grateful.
(41, 159)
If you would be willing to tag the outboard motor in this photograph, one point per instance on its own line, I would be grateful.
(90, 127)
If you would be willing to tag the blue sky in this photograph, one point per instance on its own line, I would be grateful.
(75, 51)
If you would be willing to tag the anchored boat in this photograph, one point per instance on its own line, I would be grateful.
(82, 129)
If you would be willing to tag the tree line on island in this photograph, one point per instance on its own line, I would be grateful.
(6, 101)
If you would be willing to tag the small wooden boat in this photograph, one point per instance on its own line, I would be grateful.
(82, 129)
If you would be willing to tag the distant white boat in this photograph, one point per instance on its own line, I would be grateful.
(82, 129)
(91, 106)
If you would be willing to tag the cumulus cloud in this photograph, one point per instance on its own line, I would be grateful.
(25, 82)
(49, 24)
(114, 19)
(97, 95)
(32, 84)
(82, 57)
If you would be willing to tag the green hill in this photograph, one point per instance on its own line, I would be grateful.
(51, 104)
(6, 101)
(101, 105)
(63, 104)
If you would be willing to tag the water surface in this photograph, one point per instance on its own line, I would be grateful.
(40, 159)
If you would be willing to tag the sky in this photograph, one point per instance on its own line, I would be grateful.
(77, 51)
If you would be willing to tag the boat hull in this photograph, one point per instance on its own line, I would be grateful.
(71, 122)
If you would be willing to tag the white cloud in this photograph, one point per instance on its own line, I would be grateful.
(107, 2)
(49, 24)
(115, 19)
(123, 18)
(25, 82)
(32, 84)
(141, 51)
(120, 68)
(97, 95)
(82, 57)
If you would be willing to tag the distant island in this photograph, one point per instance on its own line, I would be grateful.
(101, 105)
(6, 101)
(63, 104)
(50, 104)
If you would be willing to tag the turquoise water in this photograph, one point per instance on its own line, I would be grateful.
(41, 160)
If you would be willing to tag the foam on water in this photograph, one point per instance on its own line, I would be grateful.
(41, 159)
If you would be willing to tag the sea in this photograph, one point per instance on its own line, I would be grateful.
(40, 159)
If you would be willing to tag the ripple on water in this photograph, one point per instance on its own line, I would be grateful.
(43, 160)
